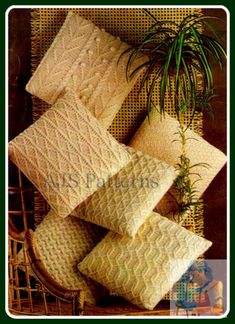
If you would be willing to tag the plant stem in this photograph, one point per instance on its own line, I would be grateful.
(186, 198)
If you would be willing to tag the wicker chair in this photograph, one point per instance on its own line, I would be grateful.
(40, 294)
(28, 296)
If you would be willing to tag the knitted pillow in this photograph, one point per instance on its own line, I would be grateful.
(159, 138)
(61, 244)
(86, 59)
(145, 268)
(62, 150)
(124, 202)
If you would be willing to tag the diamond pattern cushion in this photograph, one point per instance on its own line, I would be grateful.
(144, 269)
(61, 244)
(159, 139)
(86, 59)
(126, 200)
(62, 150)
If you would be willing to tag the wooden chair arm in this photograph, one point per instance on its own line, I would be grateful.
(74, 296)
(14, 233)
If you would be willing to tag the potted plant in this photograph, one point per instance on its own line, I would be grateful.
(180, 58)
(179, 54)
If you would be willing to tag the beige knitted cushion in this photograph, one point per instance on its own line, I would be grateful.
(144, 269)
(126, 200)
(62, 150)
(61, 244)
(86, 59)
(160, 139)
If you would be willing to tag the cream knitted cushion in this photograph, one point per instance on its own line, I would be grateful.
(62, 150)
(144, 269)
(61, 244)
(124, 202)
(86, 59)
(159, 138)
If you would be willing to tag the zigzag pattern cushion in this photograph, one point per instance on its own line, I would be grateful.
(62, 150)
(86, 59)
(145, 268)
(124, 202)
(61, 244)
(160, 139)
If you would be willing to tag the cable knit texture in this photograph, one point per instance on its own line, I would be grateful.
(160, 139)
(144, 269)
(86, 59)
(63, 151)
(61, 244)
(124, 202)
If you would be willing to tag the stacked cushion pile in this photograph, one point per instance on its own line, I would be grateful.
(101, 231)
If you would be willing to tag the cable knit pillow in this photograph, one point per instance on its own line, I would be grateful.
(144, 269)
(62, 150)
(160, 139)
(124, 202)
(86, 59)
(61, 244)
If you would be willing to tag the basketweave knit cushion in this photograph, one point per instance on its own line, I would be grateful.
(61, 244)
(86, 59)
(62, 150)
(124, 202)
(160, 139)
(145, 268)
